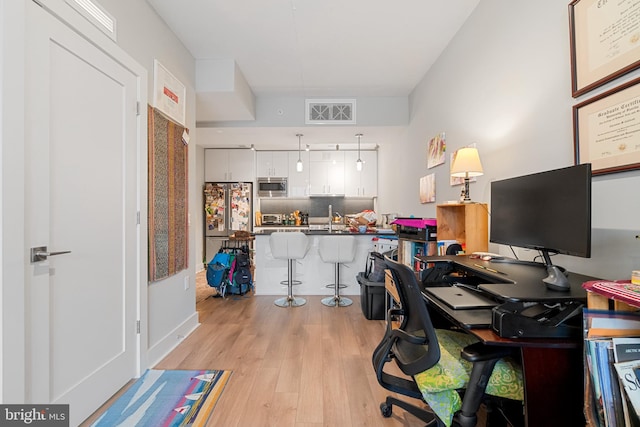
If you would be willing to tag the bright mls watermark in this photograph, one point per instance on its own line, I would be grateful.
(34, 415)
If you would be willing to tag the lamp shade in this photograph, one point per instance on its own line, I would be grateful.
(466, 163)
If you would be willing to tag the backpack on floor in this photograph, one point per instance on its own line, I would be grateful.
(242, 260)
(217, 271)
(240, 281)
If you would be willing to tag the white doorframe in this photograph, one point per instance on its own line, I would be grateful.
(12, 126)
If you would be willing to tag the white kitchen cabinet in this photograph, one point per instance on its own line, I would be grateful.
(298, 181)
(365, 182)
(326, 172)
(272, 164)
(229, 164)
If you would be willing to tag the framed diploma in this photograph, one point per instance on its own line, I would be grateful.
(606, 130)
(605, 41)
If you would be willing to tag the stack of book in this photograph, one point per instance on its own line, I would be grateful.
(612, 365)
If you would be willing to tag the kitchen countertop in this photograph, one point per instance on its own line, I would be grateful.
(313, 273)
(265, 231)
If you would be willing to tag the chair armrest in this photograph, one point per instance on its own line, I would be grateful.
(479, 352)
(413, 339)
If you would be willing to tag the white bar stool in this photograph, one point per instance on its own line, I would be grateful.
(289, 245)
(337, 249)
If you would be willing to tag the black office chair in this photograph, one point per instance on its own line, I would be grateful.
(415, 348)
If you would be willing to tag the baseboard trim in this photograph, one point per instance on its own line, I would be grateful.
(170, 341)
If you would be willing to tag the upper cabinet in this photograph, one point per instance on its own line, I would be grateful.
(326, 172)
(323, 172)
(362, 183)
(272, 163)
(229, 164)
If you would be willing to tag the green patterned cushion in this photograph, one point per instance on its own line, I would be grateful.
(439, 383)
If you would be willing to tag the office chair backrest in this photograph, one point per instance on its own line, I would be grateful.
(412, 357)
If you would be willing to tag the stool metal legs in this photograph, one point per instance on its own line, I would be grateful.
(293, 281)
(290, 300)
(336, 299)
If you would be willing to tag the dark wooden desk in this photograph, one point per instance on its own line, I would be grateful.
(553, 378)
(552, 367)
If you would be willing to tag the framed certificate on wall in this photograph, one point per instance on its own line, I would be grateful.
(605, 41)
(607, 130)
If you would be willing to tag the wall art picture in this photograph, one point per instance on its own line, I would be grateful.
(435, 150)
(428, 188)
(168, 94)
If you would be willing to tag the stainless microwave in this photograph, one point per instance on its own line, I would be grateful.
(272, 187)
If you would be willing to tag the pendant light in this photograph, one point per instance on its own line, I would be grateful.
(359, 161)
(299, 162)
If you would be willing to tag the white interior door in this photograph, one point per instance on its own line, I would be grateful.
(81, 196)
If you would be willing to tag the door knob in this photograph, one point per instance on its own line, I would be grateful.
(40, 253)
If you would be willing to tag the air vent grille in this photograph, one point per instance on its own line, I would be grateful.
(96, 15)
(331, 111)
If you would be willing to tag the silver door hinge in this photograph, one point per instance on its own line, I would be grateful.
(137, 108)
(137, 327)
(138, 217)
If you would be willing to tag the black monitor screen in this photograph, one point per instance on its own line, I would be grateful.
(549, 211)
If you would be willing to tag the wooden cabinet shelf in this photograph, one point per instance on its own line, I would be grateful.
(467, 223)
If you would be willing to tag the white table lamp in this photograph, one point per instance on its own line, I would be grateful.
(466, 164)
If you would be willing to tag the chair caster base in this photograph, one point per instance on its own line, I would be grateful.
(290, 302)
(333, 286)
(336, 302)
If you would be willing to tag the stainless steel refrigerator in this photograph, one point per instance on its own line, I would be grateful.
(228, 208)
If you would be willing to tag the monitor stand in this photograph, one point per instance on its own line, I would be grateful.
(557, 278)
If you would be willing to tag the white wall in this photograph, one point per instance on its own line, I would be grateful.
(504, 82)
(144, 36)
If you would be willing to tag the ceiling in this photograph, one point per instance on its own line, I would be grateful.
(310, 48)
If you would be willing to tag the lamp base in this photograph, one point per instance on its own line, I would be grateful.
(465, 193)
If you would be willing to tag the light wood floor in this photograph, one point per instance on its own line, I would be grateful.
(300, 367)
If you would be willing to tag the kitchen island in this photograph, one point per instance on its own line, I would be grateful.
(314, 273)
